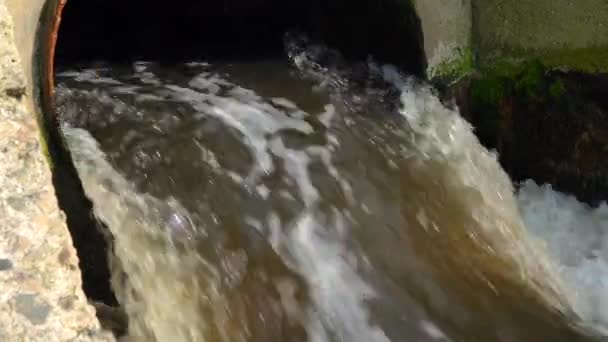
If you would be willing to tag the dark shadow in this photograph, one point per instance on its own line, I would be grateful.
(231, 29)
(89, 241)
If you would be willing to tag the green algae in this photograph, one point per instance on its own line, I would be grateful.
(529, 82)
(557, 89)
(588, 60)
(457, 67)
(44, 148)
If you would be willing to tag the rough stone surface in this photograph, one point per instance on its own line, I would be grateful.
(41, 298)
(24, 31)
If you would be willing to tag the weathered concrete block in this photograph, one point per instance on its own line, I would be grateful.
(446, 26)
(562, 34)
(41, 297)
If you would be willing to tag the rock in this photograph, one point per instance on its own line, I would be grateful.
(38, 263)
(31, 307)
(5, 264)
(112, 318)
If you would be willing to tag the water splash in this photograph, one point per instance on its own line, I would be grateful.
(172, 291)
(441, 156)
(372, 216)
(577, 237)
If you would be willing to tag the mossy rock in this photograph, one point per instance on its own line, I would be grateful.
(546, 125)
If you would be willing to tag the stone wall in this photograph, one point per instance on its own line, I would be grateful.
(41, 297)
(25, 15)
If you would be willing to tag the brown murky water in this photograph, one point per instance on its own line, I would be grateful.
(264, 202)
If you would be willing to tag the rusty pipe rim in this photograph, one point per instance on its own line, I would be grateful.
(54, 33)
(44, 68)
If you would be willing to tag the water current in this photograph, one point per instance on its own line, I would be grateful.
(311, 199)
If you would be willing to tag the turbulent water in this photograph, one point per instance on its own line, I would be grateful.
(320, 201)
(577, 238)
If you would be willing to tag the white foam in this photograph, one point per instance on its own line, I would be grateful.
(148, 77)
(90, 76)
(246, 112)
(159, 276)
(141, 66)
(433, 331)
(328, 115)
(296, 164)
(126, 90)
(196, 64)
(208, 82)
(283, 102)
(577, 237)
(339, 293)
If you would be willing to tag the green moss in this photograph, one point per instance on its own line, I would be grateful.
(557, 89)
(43, 138)
(530, 80)
(488, 91)
(504, 67)
(588, 60)
(44, 147)
(487, 94)
(461, 65)
(525, 78)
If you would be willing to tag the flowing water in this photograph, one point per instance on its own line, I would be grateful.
(317, 200)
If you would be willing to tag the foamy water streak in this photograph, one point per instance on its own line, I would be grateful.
(165, 287)
(439, 149)
(441, 137)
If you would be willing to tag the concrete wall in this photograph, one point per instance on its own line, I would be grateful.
(563, 34)
(26, 14)
(41, 296)
(446, 27)
(460, 35)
